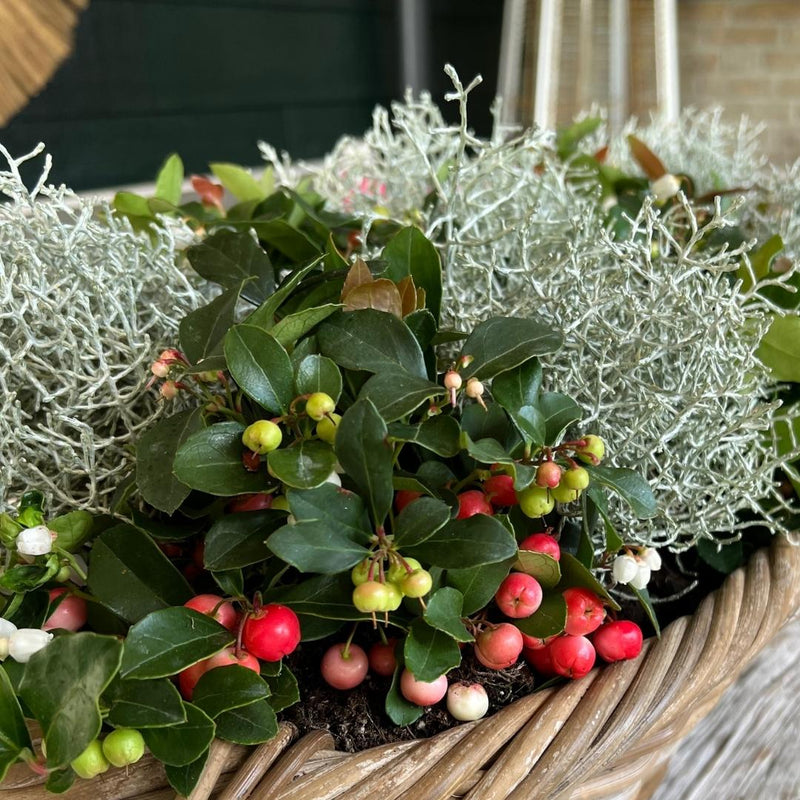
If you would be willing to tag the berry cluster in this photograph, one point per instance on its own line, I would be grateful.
(120, 748)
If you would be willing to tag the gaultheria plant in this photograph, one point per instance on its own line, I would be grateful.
(85, 303)
(660, 340)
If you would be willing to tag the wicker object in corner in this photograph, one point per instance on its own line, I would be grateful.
(608, 736)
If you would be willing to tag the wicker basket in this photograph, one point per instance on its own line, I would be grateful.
(609, 735)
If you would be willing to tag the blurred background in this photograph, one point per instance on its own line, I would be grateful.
(123, 83)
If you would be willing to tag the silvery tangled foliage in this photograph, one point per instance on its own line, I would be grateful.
(660, 343)
(84, 304)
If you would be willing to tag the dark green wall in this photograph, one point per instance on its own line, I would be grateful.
(209, 78)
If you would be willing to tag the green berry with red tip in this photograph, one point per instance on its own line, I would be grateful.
(592, 450)
(399, 570)
(318, 405)
(360, 572)
(262, 437)
(548, 476)
(417, 584)
(372, 596)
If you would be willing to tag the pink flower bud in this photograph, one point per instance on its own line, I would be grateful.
(160, 369)
(169, 389)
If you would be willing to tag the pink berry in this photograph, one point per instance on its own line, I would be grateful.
(618, 641)
(272, 632)
(535, 643)
(69, 614)
(500, 490)
(420, 692)
(548, 476)
(542, 543)
(541, 660)
(188, 679)
(585, 612)
(381, 658)
(344, 670)
(498, 647)
(213, 605)
(573, 656)
(519, 595)
(473, 502)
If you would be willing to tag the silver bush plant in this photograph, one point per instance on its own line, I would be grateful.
(660, 342)
(85, 303)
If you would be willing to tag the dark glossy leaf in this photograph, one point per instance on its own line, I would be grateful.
(251, 724)
(464, 543)
(294, 326)
(180, 745)
(490, 451)
(202, 331)
(419, 520)
(143, 704)
(598, 497)
(539, 565)
(304, 465)
(28, 610)
(366, 456)
(397, 394)
(373, 341)
(233, 259)
(444, 612)
(284, 691)
(238, 540)
(222, 689)
(288, 240)
(559, 412)
(489, 423)
(548, 620)
(575, 574)
(422, 324)
(316, 547)
(629, 486)
(261, 367)
(478, 585)
(130, 575)
(339, 508)
(60, 780)
(428, 652)
(315, 628)
(327, 596)
(440, 435)
(14, 737)
(184, 779)
(62, 685)
(168, 641)
(264, 315)
(519, 386)
(398, 709)
(211, 461)
(502, 343)
(155, 454)
(230, 581)
(316, 373)
(723, 558)
(409, 252)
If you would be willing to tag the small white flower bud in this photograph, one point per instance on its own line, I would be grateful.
(651, 557)
(22, 644)
(6, 627)
(625, 569)
(36, 541)
(3, 648)
(665, 187)
(642, 577)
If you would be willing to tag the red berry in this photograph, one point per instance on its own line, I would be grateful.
(585, 612)
(535, 643)
(403, 497)
(548, 476)
(188, 679)
(618, 641)
(421, 692)
(498, 647)
(542, 543)
(344, 671)
(381, 658)
(473, 502)
(573, 656)
(519, 595)
(272, 632)
(250, 502)
(541, 660)
(213, 605)
(500, 490)
(69, 614)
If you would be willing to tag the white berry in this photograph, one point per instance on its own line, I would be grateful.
(467, 701)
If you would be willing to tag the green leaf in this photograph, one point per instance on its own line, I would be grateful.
(489, 423)
(201, 331)
(429, 653)
(643, 596)
(548, 620)
(168, 641)
(409, 252)
(629, 486)
(155, 454)
(366, 456)
(231, 581)
(478, 585)
(14, 736)
(502, 343)
(130, 575)
(464, 543)
(73, 529)
(316, 373)
(444, 612)
(490, 451)
(211, 461)
(252, 724)
(315, 547)
(180, 745)
(132, 205)
(339, 508)
(184, 779)
(294, 326)
(440, 435)
(264, 315)
(723, 558)
(419, 520)
(780, 348)
(60, 780)
(327, 596)
(284, 690)
(233, 259)
(540, 566)
(288, 240)
(261, 367)
(238, 181)
(28, 610)
(334, 260)
(62, 685)
(519, 386)
(397, 394)
(239, 540)
(143, 704)
(575, 574)
(559, 412)
(373, 341)
(598, 497)
(304, 465)
(222, 689)
(169, 181)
